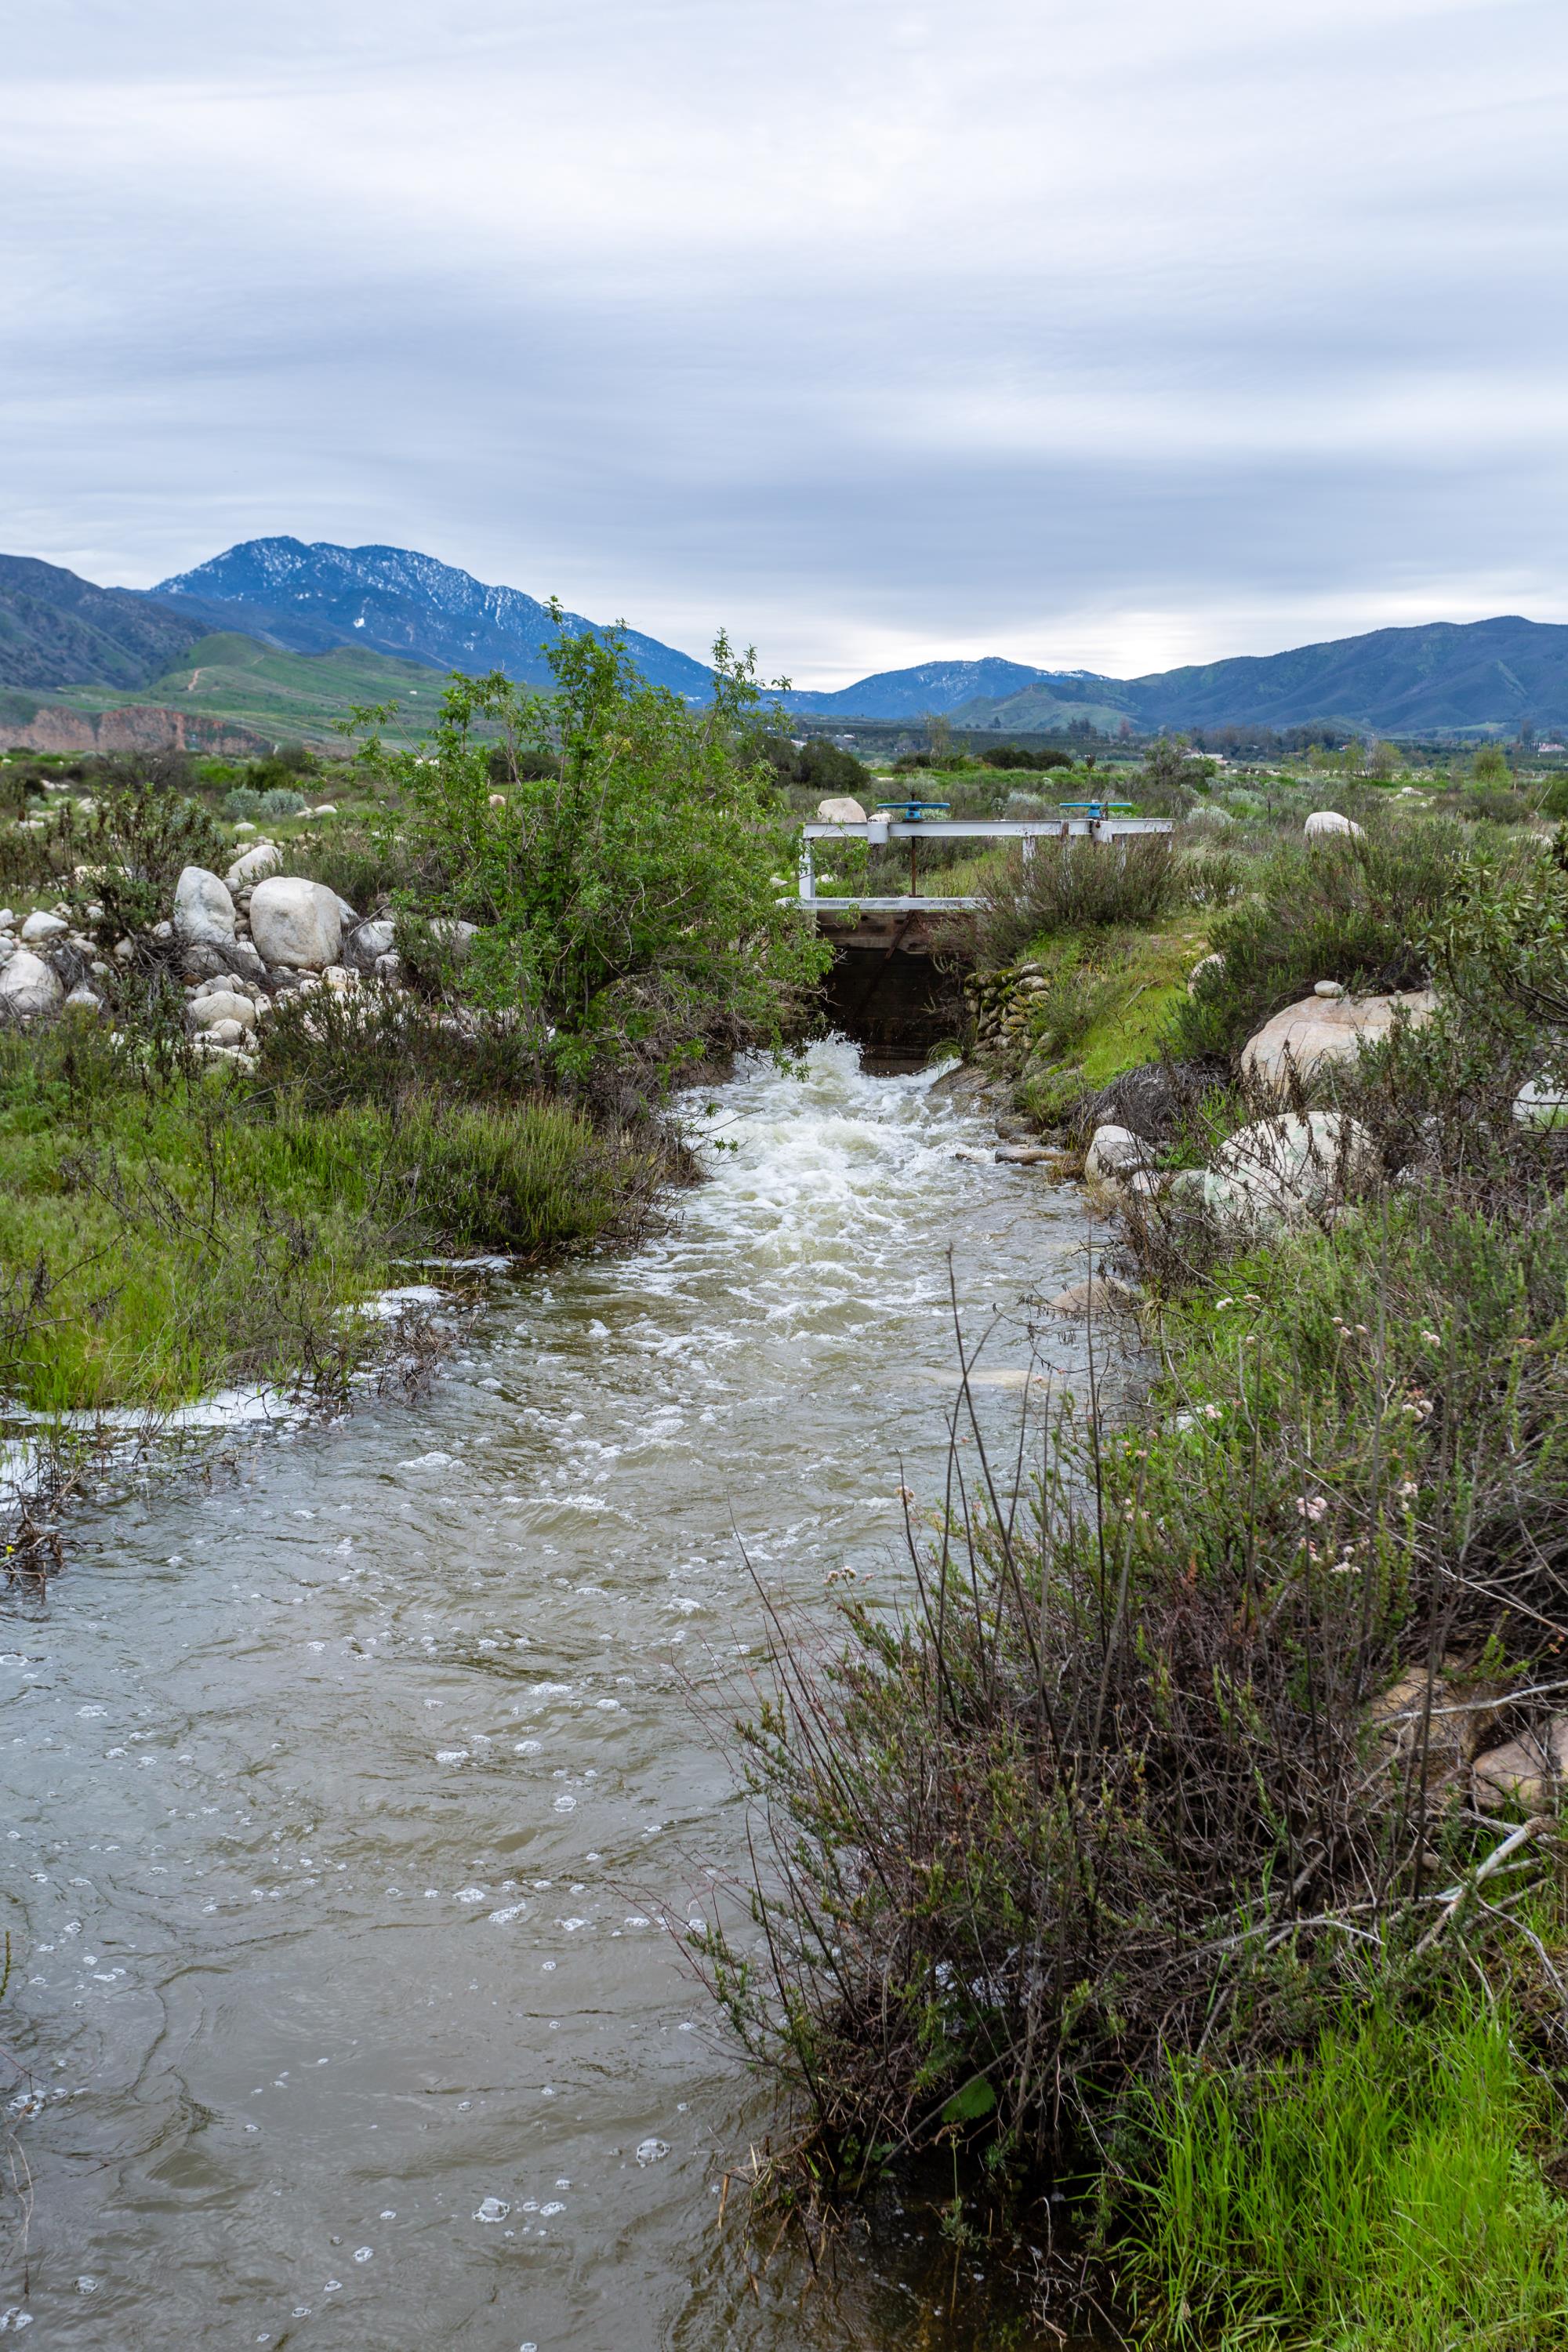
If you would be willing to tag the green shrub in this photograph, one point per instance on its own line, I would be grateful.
(243, 804)
(141, 831)
(628, 899)
(368, 861)
(1074, 885)
(1345, 908)
(280, 800)
(38, 857)
(1011, 757)
(1215, 875)
(325, 1051)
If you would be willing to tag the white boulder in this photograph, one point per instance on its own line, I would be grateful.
(1288, 1168)
(1541, 1103)
(83, 999)
(203, 911)
(7, 919)
(1326, 820)
(1527, 1772)
(840, 811)
(296, 923)
(29, 988)
(41, 929)
(1321, 1029)
(1215, 963)
(216, 1005)
(1216, 1200)
(1113, 1155)
(367, 942)
(261, 857)
(1099, 1294)
(453, 934)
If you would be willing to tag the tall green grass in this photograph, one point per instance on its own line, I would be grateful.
(1375, 2194)
(163, 1237)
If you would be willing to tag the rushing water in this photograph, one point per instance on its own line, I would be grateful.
(339, 1791)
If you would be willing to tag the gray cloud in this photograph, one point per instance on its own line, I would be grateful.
(1105, 333)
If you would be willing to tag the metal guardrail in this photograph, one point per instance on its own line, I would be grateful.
(1074, 823)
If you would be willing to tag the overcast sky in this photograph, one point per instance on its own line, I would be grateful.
(1100, 332)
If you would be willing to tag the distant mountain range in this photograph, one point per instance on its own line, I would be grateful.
(61, 634)
(1442, 677)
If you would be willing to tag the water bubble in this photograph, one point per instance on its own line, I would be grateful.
(547, 2210)
(649, 2151)
(364, 2253)
(492, 2208)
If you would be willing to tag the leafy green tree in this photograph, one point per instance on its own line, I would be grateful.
(1491, 766)
(621, 852)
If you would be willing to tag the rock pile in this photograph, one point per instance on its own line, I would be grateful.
(1272, 1175)
(240, 940)
(46, 966)
(999, 1001)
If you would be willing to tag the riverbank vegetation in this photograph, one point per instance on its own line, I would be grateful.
(581, 889)
(167, 1232)
(1187, 1852)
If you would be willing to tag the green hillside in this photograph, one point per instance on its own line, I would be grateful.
(290, 696)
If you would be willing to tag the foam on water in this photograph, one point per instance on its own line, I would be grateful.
(344, 1797)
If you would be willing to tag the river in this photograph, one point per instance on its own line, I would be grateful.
(340, 1786)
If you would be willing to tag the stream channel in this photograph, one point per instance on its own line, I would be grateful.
(340, 1789)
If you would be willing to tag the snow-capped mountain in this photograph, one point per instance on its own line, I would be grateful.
(307, 597)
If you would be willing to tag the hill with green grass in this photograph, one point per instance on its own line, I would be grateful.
(287, 696)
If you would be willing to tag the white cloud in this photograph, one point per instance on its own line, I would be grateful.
(876, 330)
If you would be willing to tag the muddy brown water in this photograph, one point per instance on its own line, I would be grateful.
(339, 1793)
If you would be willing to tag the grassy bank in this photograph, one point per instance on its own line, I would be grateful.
(1381, 2189)
(1141, 1857)
(166, 1231)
